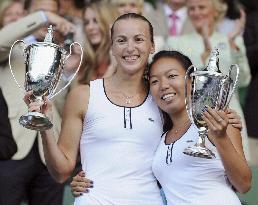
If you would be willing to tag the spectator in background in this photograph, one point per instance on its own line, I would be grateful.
(234, 17)
(73, 11)
(25, 175)
(128, 6)
(205, 14)
(170, 18)
(43, 5)
(47, 6)
(8, 146)
(251, 101)
(97, 18)
(11, 11)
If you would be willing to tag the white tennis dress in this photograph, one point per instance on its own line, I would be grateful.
(188, 180)
(117, 149)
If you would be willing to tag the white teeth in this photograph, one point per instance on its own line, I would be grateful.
(131, 58)
(168, 97)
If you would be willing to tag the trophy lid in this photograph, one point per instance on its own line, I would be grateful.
(49, 35)
(213, 64)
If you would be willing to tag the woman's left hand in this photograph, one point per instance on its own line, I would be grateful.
(217, 121)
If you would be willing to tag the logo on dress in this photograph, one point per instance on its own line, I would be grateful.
(188, 141)
(150, 119)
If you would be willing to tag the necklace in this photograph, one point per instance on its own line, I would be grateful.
(128, 99)
(181, 129)
(175, 133)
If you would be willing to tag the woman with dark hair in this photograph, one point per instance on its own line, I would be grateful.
(205, 15)
(186, 179)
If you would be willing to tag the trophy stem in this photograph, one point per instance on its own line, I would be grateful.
(201, 138)
(199, 149)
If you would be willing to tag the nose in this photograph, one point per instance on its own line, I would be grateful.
(164, 85)
(130, 46)
(90, 25)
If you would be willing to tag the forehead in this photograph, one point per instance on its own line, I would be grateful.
(137, 2)
(89, 12)
(131, 26)
(176, 1)
(14, 6)
(165, 64)
(198, 2)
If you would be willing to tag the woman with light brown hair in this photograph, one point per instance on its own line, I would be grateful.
(97, 63)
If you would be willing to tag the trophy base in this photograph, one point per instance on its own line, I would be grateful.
(198, 151)
(35, 121)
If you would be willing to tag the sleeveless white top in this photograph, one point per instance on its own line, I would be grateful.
(117, 148)
(188, 180)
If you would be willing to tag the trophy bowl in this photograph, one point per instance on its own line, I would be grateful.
(44, 65)
(208, 87)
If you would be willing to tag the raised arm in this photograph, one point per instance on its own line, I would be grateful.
(61, 157)
(26, 26)
(228, 142)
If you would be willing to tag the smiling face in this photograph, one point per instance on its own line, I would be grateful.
(131, 44)
(201, 13)
(92, 27)
(167, 84)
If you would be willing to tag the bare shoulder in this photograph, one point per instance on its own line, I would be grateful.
(77, 99)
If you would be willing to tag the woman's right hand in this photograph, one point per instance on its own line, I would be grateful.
(80, 184)
(44, 107)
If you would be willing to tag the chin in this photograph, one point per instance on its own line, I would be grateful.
(95, 42)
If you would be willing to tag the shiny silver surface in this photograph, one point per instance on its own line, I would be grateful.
(44, 62)
(207, 88)
(43, 68)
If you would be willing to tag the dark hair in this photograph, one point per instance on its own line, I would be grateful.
(233, 10)
(184, 61)
(250, 5)
(133, 16)
(181, 58)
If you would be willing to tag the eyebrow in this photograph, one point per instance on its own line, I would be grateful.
(124, 35)
(165, 72)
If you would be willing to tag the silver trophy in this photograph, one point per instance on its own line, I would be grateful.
(44, 62)
(207, 87)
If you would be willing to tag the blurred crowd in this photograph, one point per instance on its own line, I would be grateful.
(178, 25)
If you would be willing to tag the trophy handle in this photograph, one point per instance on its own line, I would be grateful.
(188, 105)
(10, 66)
(73, 76)
(233, 77)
